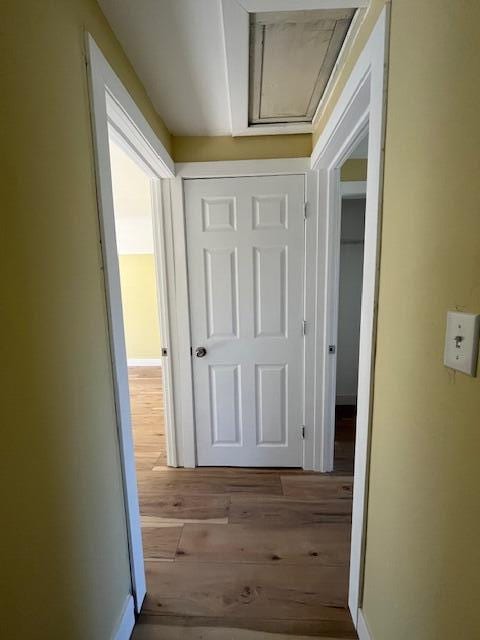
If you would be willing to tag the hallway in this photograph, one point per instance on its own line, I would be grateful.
(229, 548)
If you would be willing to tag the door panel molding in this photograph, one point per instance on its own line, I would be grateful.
(246, 309)
(241, 168)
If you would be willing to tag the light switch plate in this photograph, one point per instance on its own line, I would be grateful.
(461, 342)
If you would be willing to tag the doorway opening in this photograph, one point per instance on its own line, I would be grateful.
(350, 281)
(139, 283)
(248, 542)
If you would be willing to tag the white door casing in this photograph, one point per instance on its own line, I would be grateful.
(362, 103)
(245, 248)
(112, 107)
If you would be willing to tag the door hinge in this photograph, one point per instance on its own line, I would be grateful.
(304, 327)
(305, 210)
(302, 431)
(332, 348)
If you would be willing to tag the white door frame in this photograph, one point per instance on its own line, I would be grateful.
(239, 168)
(113, 112)
(361, 105)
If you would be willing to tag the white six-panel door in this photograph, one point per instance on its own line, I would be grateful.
(245, 244)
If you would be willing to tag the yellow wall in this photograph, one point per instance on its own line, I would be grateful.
(139, 303)
(64, 561)
(423, 561)
(354, 170)
(205, 148)
(63, 552)
(369, 18)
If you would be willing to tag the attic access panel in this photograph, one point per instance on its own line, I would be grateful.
(292, 55)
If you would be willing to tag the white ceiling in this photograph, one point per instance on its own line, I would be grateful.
(177, 50)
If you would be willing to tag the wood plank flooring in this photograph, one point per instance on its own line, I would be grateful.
(148, 424)
(237, 554)
(315, 545)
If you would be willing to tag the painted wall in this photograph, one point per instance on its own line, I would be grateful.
(64, 560)
(422, 560)
(205, 148)
(350, 297)
(354, 170)
(139, 303)
(61, 486)
(368, 21)
(422, 565)
(132, 204)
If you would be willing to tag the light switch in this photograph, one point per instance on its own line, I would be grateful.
(461, 342)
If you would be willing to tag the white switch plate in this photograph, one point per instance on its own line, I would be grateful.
(461, 342)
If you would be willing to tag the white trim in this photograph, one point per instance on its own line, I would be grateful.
(347, 45)
(134, 127)
(126, 623)
(136, 131)
(353, 189)
(235, 23)
(161, 278)
(253, 6)
(312, 223)
(362, 627)
(223, 169)
(144, 362)
(245, 168)
(361, 105)
(113, 107)
(183, 371)
(276, 128)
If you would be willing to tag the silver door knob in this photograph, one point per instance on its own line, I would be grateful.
(200, 352)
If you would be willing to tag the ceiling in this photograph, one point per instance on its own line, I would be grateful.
(177, 49)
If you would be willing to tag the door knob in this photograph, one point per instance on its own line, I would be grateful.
(200, 352)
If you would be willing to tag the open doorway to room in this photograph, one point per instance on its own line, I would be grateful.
(141, 301)
(251, 541)
(350, 279)
(134, 229)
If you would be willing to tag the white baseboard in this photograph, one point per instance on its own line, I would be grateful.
(342, 400)
(362, 627)
(144, 362)
(125, 625)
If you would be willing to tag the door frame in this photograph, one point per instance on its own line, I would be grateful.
(235, 169)
(113, 112)
(362, 105)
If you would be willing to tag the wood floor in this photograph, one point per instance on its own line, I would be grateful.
(238, 554)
